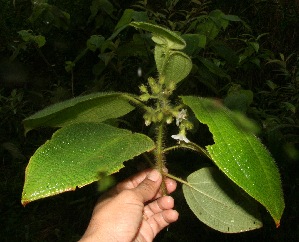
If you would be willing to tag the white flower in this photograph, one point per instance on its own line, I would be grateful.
(180, 137)
(181, 116)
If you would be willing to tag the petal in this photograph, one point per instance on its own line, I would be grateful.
(180, 137)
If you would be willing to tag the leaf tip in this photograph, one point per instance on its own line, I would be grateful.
(24, 202)
(277, 224)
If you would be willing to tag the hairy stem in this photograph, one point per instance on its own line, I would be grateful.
(190, 146)
(176, 178)
(134, 99)
(160, 155)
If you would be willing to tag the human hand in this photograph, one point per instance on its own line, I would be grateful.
(134, 210)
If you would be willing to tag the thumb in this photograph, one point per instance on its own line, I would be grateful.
(150, 186)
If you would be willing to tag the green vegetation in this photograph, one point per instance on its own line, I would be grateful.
(240, 54)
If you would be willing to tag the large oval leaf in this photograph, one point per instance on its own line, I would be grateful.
(76, 154)
(240, 154)
(173, 65)
(96, 107)
(219, 203)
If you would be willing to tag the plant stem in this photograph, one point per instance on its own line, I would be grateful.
(160, 156)
(134, 99)
(190, 146)
(176, 179)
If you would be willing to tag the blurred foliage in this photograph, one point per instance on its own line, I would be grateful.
(244, 53)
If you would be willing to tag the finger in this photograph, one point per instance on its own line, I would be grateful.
(126, 184)
(149, 187)
(133, 181)
(159, 205)
(170, 187)
(136, 179)
(161, 220)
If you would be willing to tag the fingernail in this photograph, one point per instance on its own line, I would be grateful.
(154, 175)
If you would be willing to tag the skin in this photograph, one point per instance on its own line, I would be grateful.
(134, 210)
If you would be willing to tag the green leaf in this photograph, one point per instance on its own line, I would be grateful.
(106, 6)
(225, 52)
(209, 29)
(49, 14)
(194, 42)
(219, 203)
(213, 68)
(289, 106)
(238, 99)
(240, 154)
(96, 107)
(173, 65)
(69, 66)
(271, 84)
(160, 57)
(126, 18)
(99, 6)
(38, 10)
(232, 18)
(255, 46)
(95, 42)
(40, 40)
(28, 36)
(124, 21)
(162, 36)
(214, 23)
(217, 16)
(76, 155)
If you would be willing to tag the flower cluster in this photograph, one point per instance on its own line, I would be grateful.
(160, 91)
(164, 111)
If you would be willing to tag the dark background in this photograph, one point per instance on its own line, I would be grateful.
(32, 78)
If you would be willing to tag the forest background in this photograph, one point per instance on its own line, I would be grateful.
(48, 54)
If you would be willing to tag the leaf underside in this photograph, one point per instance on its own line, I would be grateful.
(219, 203)
(240, 154)
(75, 156)
(162, 36)
(175, 68)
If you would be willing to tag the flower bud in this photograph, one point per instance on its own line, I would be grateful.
(144, 97)
(143, 88)
(188, 125)
(147, 118)
(154, 118)
(151, 82)
(169, 120)
(161, 80)
(160, 116)
(171, 86)
(156, 89)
